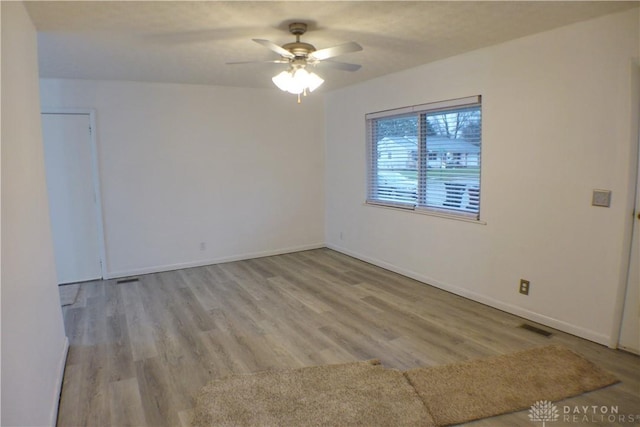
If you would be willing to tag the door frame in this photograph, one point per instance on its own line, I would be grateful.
(630, 223)
(95, 175)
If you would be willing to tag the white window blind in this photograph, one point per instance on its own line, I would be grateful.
(426, 157)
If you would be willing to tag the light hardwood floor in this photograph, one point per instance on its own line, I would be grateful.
(141, 351)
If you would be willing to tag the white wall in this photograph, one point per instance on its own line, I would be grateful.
(556, 124)
(238, 169)
(33, 340)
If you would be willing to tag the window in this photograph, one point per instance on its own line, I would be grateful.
(426, 157)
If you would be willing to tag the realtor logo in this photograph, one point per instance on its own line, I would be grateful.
(543, 411)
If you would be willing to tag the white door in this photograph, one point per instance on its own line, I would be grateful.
(72, 197)
(629, 338)
(630, 329)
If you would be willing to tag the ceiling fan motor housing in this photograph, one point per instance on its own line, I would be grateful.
(298, 48)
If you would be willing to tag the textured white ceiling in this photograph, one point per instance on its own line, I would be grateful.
(190, 42)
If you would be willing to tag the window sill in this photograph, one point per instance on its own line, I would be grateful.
(429, 212)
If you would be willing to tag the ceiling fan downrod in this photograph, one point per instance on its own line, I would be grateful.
(299, 49)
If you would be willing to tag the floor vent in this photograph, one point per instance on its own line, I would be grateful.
(129, 280)
(536, 330)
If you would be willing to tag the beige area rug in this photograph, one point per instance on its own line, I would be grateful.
(68, 294)
(487, 387)
(367, 394)
(350, 394)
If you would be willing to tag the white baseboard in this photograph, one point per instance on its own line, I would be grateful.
(53, 419)
(200, 263)
(483, 299)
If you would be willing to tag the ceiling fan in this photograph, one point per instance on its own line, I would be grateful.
(300, 55)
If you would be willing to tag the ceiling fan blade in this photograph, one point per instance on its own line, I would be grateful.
(330, 52)
(345, 66)
(274, 47)
(275, 61)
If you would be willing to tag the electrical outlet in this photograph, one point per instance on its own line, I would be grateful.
(203, 246)
(524, 287)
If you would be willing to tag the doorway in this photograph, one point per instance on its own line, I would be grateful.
(629, 337)
(74, 194)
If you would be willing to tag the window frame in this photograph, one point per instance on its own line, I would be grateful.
(420, 205)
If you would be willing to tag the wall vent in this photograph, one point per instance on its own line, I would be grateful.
(129, 280)
(536, 330)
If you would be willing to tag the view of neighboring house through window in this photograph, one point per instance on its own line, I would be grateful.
(427, 157)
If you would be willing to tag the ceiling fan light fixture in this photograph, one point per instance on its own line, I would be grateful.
(282, 80)
(297, 81)
(314, 81)
(299, 55)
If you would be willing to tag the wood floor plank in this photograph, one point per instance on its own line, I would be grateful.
(126, 404)
(114, 303)
(94, 389)
(71, 398)
(247, 277)
(140, 351)
(201, 289)
(227, 356)
(305, 298)
(120, 356)
(139, 326)
(157, 394)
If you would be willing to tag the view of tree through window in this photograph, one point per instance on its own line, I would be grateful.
(428, 159)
